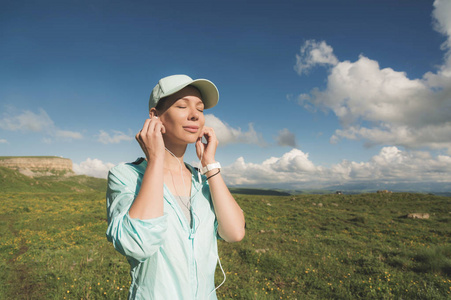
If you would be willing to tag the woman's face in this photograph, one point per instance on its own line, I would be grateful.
(182, 116)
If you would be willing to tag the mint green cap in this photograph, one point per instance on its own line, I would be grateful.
(172, 84)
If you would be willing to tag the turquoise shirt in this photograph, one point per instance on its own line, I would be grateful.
(168, 259)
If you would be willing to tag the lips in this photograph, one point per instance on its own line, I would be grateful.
(192, 129)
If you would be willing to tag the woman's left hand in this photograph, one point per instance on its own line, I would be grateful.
(208, 149)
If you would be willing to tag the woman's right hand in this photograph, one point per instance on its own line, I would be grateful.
(150, 138)
(149, 203)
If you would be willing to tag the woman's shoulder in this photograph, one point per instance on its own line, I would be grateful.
(135, 168)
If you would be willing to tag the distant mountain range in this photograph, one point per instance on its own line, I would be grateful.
(15, 181)
(436, 188)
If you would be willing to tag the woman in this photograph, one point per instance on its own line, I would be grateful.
(163, 215)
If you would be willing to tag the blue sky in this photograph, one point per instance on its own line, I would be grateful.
(312, 93)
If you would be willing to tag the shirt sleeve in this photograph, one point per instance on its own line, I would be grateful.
(207, 194)
(134, 238)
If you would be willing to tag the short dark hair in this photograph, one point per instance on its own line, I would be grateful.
(162, 103)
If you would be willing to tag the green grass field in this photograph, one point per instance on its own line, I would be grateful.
(53, 245)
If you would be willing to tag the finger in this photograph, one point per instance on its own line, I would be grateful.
(153, 128)
(205, 134)
(208, 131)
(140, 141)
(145, 128)
(157, 128)
(200, 147)
(209, 135)
(199, 143)
(211, 132)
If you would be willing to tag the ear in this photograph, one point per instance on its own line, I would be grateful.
(153, 112)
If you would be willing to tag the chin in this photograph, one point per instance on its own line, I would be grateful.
(189, 139)
(192, 141)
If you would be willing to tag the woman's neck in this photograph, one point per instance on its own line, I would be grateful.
(174, 157)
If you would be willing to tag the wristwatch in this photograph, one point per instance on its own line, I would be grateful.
(210, 167)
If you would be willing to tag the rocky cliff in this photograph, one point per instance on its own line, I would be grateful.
(37, 163)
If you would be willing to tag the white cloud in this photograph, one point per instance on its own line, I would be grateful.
(27, 121)
(362, 91)
(93, 167)
(68, 134)
(442, 23)
(433, 137)
(228, 135)
(392, 164)
(117, 137)
(295, 170)
(286, 138)
(313, 53)
(3, 141)
(442, 20)
(35, 122)
(292, 168)
(384, 106)
(294, 161)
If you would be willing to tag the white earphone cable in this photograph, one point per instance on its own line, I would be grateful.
(200, 181)
(181, 172)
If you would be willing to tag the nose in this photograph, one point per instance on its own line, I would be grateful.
(194, 115)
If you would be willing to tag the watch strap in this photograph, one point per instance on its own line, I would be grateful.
(210, 167)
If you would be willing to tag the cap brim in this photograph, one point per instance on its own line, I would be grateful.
(209, 92)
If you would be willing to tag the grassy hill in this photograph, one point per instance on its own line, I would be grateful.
(12, 181)
(53, 245)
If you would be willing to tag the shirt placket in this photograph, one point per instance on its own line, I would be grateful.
(191, 235)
